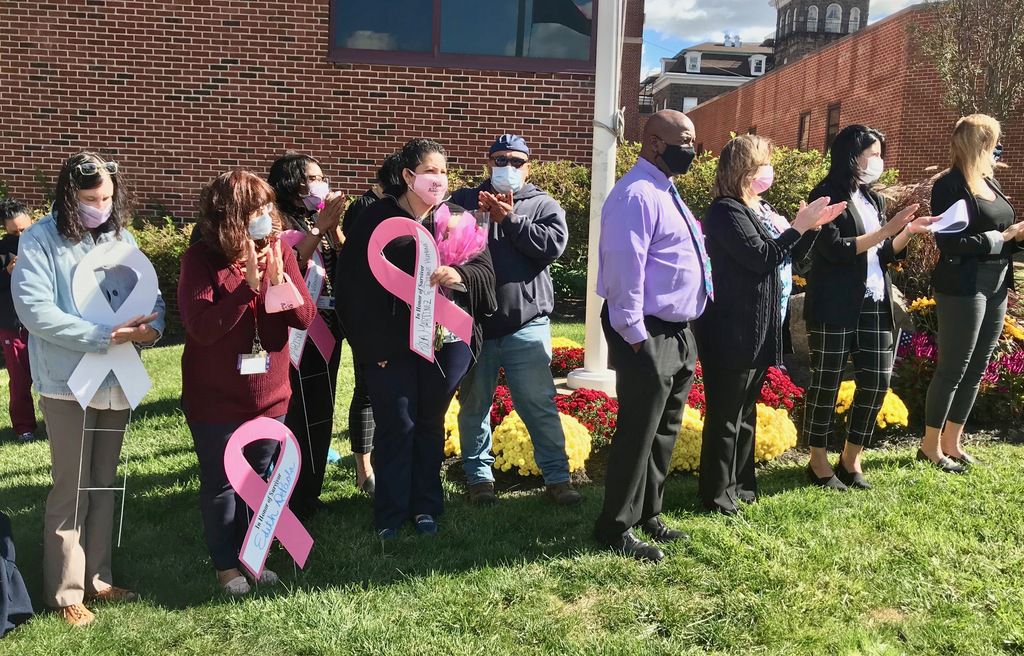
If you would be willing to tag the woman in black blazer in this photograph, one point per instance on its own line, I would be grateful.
(848, 306)
(971, 280)
(740, 334)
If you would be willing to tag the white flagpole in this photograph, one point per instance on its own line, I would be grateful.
(607, 127)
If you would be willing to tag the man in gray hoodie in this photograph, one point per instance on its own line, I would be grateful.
(527, 233)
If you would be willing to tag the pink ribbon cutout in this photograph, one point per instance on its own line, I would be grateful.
(428, 305)
(318, 332)
(268, 499)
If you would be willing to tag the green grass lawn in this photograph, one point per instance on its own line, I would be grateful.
(923, 564)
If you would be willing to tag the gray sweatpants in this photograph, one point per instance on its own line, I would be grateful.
(969, 328)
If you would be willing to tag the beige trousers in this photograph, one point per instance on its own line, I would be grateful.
(76, 558)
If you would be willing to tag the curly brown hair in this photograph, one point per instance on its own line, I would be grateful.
(225, 206)
(70, 181)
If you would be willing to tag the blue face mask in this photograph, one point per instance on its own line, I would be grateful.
(506, 178)
(261, 226)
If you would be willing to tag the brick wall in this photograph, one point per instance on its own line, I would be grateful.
(178, 93)
(879, 78)
(632, 54)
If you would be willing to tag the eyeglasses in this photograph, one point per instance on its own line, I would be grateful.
(514, 162)
(317, 178)
(88, 169)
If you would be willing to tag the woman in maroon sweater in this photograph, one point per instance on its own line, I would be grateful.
(221, 296)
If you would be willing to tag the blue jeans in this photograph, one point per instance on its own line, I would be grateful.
(526, 357)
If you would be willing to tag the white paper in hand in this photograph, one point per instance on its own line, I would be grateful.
(954, 219)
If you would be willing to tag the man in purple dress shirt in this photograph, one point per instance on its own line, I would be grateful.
(655, 277)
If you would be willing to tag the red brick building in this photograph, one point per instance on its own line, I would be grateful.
(179, 92)
(878, 77)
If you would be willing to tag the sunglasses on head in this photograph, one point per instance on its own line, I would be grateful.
(88, 169)
(514, 162)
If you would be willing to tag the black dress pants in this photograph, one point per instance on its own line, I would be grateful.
(727, 444)
(652, 387)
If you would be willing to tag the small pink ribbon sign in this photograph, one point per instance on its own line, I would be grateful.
(319, 332)
(427, 304)
(268, 499)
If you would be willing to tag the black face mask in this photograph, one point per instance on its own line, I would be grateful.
(678, 159)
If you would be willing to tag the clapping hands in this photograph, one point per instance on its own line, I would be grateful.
(817, 214)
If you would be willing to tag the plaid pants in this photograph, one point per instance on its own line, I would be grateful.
(871, 347)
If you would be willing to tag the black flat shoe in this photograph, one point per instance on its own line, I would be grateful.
(633, 547)
(825, 482)
(944, 463)
(658, 532)
(851, 479)
(964, 459)
(369, 486)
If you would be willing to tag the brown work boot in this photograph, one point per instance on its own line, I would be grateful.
(114, 593)
(563, 494)
(76, 615)
(482, 494)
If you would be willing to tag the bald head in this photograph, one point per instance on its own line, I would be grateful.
(668, 124)
(666, 130)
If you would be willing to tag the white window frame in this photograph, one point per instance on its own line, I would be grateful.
(854, 19)
(689, 102)
(834, 25)
(756, 60)
(693, 62)
(812, 18)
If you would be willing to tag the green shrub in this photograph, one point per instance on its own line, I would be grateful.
(164, 243)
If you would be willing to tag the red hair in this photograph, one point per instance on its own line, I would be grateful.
(225, 206)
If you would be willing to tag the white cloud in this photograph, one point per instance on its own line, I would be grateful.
(706, 20)
(370, 40)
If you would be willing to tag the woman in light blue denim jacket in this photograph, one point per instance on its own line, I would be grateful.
(90, 209)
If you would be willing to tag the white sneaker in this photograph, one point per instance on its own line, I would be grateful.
(237, 587)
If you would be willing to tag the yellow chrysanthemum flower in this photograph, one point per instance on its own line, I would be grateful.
(776, 434)
(452, 445)
(893, 412)
(513, 448)
(564, 342)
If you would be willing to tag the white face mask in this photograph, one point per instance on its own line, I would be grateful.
(873, 171)
(261, 226)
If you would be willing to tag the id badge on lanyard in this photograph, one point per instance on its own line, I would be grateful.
(258, 360)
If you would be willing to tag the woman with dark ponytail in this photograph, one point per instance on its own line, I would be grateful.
(309, 208)
(409, 394)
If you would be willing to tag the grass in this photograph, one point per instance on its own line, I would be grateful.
(923, 564)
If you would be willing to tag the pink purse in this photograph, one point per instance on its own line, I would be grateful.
(283, 297)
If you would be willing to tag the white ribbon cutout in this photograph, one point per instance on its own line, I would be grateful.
(92, 304)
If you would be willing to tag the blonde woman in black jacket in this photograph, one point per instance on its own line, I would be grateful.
(740, 335)
(971, 280)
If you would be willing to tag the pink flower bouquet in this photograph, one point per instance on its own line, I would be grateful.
(460, 237)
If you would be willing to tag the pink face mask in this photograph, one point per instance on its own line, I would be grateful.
(93, 217)
(763, 179)
(317, 195)
(430, 187)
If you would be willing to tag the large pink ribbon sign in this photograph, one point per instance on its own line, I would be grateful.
(427, 304)
(319, 332)
(268, 499)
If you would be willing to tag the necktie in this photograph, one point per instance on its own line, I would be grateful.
(698, 240)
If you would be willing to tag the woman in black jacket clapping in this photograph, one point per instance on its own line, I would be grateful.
(409, 394)
(971, 280)
(849, 299)
(740, 334)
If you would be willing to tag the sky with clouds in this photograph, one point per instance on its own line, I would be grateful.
(676, 24)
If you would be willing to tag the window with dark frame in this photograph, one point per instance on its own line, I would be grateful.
(520, 35)
(804, 131)
(833, 125)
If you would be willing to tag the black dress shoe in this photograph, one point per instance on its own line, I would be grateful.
(629, 545)
(964, 459)
(658, 532)
(851, 478)
(944, 463)
(825, 482)
(747, 497)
